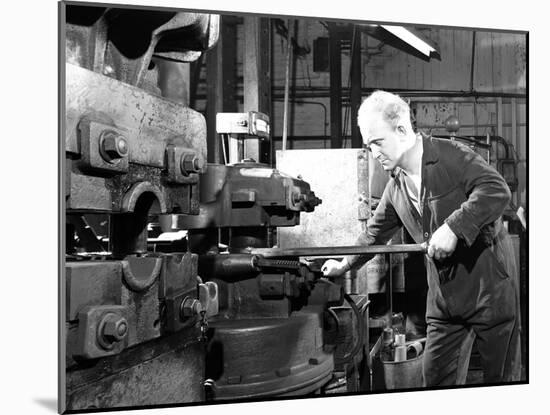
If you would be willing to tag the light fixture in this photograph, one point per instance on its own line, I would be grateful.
(406, 39)
(411, 38)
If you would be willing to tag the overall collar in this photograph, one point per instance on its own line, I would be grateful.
(430, 154)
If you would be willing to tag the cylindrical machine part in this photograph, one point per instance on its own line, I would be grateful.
(256, 358)
(231, 267)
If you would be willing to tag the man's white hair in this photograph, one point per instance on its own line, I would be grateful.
(390, 106)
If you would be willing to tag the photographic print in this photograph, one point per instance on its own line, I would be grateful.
(265, 207)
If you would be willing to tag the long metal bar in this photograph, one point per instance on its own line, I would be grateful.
(335, 67)
(287, 81)
(338, 250)
(389, 291)
(472, 62)
(515, 141)
(355, 90)
(425, 93)
(220, 70)
(251, 81)
(323, 92)
(267, 151)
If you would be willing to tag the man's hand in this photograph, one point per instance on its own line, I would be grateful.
(333, 268)
(442, 243)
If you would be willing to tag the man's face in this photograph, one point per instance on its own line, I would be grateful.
(384, 141)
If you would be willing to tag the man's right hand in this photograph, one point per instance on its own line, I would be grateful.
(333, 268)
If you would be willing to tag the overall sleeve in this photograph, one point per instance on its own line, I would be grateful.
(486, 191)
(379, 229)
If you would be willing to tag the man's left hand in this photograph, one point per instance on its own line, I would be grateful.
(442, 243)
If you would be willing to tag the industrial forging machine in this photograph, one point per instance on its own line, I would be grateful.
(131, 332)
(221, 314)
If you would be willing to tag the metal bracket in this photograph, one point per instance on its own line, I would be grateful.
(174, 305)
(91, 327)
(252, 123)
(208, 297)
(183, 165)
(93, 157)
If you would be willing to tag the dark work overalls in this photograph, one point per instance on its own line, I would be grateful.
(473, 293)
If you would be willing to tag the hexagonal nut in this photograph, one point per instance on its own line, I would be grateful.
(191, 163)
(115, 328)
(113, 145)
(190, 307)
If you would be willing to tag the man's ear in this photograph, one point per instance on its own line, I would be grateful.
(401, 129)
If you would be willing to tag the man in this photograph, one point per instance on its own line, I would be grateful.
(448, 197)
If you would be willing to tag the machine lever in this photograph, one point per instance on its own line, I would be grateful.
(339, 250)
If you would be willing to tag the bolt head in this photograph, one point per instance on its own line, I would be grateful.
(122, 146)
(198, 163)
(115, 328)
(122, 329)
(188, 307)
(191, 163)
(113, 145)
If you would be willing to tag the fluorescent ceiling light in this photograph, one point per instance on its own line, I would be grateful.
(408, 40)
(413, 40)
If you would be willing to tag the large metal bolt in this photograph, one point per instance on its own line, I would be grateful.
(191, 163)
(190, 307)
(113, 145)
(115, 328)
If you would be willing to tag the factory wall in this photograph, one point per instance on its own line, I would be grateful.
(499, 69)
